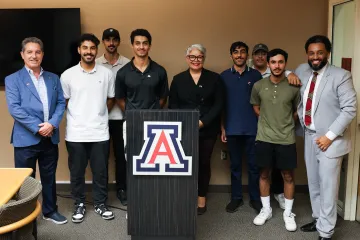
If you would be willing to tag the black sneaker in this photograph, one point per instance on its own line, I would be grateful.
(234, 205)
(256, 205)
(121, 195)
(104, 212)
(79, 213)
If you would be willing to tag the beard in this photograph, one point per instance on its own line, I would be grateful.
(320, 66)
(109, 50)
(85, 60)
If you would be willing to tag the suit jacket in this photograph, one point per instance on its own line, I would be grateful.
(26, 108)
(207, 96)
(335, 106)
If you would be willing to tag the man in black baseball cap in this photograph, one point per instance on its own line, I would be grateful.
(114, 61)
(111, 32)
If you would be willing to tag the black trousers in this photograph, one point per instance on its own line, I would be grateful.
(206, 146)
(46, 154)
(116, 133)
(79, 155)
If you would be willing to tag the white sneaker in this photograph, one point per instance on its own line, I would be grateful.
(290, 223)
(264, 215)
(79, 213)
(281, 200)
(104, 212)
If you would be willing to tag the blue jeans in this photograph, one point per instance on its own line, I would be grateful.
(236, 145)
(47, 155)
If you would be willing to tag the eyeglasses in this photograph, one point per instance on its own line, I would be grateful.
(192, 58)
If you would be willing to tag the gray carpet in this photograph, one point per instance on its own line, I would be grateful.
(216, 224)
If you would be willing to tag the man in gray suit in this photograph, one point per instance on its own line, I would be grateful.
(325, 112)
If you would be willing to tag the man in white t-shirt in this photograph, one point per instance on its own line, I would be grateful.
(114, 61)
(89, 92)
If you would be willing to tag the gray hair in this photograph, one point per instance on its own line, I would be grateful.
(197, 46)
(32, 40)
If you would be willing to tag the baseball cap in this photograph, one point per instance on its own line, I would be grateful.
(111, 32)
(260, 46)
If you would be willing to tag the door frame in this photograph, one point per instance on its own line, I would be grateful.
(348, 210)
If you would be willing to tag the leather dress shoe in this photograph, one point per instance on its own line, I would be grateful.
(201, 210)
(310, 227)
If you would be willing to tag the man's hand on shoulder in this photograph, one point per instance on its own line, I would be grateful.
(293, 79)
(46, 129)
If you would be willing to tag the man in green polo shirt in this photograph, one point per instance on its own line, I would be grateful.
(275, 101)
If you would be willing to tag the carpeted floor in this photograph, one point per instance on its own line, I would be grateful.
(216, 224)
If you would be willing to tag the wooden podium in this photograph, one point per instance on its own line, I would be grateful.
(162, 158)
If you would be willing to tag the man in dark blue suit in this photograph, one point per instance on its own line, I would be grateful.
(36, 102)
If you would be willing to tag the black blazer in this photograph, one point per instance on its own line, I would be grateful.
(207, 96)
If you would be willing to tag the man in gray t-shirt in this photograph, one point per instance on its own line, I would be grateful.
(275, 102)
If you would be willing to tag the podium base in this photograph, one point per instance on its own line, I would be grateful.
(161, 238)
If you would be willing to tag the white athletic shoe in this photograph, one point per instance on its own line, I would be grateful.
(281, 200)
(264, 215)
(290, 223)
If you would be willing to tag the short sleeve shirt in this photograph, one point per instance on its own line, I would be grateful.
(240, 118)
(115, 113)
(277, 102)
(87, 93)
(142, 90)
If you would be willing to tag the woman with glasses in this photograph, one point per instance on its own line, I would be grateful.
(200, 89)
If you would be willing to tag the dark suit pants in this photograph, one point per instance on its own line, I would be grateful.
(47, 155)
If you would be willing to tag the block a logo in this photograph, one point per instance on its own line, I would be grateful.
(162, 152)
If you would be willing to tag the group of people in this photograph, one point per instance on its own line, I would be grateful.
(255, 109)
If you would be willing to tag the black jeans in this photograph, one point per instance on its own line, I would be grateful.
(79, 154)
(206, 146)
(116, 133)
(47, 155)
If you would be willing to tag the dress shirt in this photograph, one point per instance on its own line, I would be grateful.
(330, 135)
(41, 90)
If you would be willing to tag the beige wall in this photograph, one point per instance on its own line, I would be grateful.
(175, 25)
